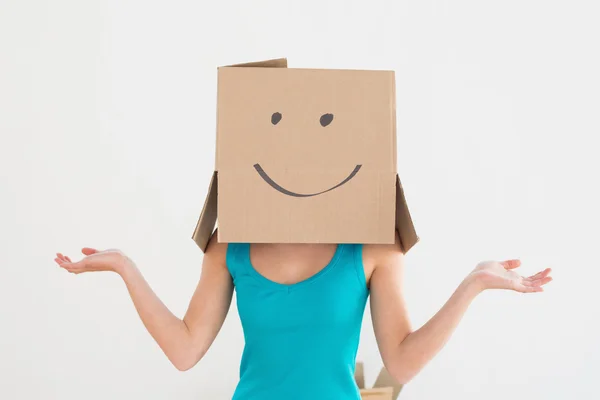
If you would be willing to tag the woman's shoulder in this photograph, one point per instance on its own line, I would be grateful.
(216, 251)
(375, 255)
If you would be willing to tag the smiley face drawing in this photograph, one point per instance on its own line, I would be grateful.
(306, 155)
(325, 120)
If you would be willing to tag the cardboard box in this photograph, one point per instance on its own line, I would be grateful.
(305, 156)
(377, 394)
(385, 387)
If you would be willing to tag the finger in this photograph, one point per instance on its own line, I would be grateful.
(540, 274)
(67, 266)
(529, 289)
(73, 271)
(537, 282)
(88, 251)
(74, 268)
(542, 282)
(60, 261)
(534, 276)
(63, 257)
(511, 264)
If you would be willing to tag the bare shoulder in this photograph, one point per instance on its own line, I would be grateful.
(383, 255)
(216, 252)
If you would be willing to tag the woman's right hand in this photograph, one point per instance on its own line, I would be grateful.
(184, 341)
(95, 260)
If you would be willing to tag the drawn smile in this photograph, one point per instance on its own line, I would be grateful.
(283, 190)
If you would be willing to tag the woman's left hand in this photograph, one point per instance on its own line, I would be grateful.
(501, 275)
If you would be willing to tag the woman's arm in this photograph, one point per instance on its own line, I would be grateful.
(406, 352)
(184, 341)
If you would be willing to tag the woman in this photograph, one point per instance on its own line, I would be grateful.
(301, 307)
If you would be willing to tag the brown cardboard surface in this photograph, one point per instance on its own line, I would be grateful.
(385, 387)
(305, 156)
(359, 375)
(384, 379)
(404, 223)
(250, 210)
(274, 63)
(298, 157)
(208, 216)
(385, 393)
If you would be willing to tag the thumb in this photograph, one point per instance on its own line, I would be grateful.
(511, 264)
(88, 251)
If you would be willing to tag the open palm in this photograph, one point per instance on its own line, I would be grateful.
(94, 260)
(501, 275)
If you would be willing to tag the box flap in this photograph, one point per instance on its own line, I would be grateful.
(385, 380)
(274, 63)
(404, 223)
(208, 217)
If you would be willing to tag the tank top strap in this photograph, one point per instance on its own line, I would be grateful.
(236, 258)
(353, 254)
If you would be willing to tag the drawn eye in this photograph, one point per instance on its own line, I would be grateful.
(326, 119)
(275, 118)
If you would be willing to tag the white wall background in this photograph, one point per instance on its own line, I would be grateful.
(107, 121)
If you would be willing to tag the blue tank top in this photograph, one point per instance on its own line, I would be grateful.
(300, 339)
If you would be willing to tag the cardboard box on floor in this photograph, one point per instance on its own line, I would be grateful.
(305, 156)
(385, 387)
